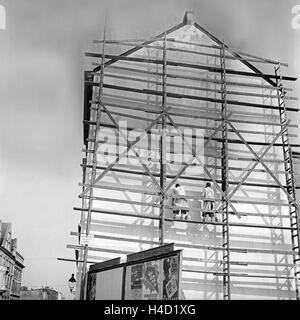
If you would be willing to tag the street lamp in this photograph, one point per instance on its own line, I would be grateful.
(72, 282)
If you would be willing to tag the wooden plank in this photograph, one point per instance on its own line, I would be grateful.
(188, 77)
(158, 47)
(187, 114)
(126, 188)
(203, 247)
(199, 178)
(239, 263)
(153, 217)
(183, 113)
(171, 85)
(186, 65)
(74, 260)
(198, 210)
(194, 116)
(154, 39)
(195, 44)
(242, 275)
(71, 246)
(171, 176)
(191, 97)
(152, 108)
(232, 141)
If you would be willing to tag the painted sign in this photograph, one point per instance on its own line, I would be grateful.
(86, 239)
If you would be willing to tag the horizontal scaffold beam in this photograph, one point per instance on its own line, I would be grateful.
(217, 91)
(159, 47)
(191, 97)
(129, 214)
(195, 116)
(184, 109)
(147, 204)
(198, 222)
(233, 141)
(189, 113)
(188, 77)
(79, 261)
(203, 247)
(190, 43)
(185, 177)
(186, 65)
(241, 275)
(238, 263)
(144, 241)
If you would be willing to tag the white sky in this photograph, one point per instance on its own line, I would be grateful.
(41, 94)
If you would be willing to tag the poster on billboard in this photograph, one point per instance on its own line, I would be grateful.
(136, 281)
(143, 281)
(91, 287)
(153, 280)
(170, 278)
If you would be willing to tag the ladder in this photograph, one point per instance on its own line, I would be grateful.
(290, 180)
(163, 168)
(225, 185)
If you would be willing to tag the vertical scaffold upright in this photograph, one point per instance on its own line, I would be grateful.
(289, 179)
(218, 111)
(225, 218)
(163, 142)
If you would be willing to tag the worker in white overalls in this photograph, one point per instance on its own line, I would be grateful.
(181, 202)
(208, 204)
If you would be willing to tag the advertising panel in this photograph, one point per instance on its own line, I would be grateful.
(153, 280)
(105, 285)
(171, 278)
(91, 287)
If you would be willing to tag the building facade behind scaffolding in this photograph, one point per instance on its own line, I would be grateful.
(183, 107)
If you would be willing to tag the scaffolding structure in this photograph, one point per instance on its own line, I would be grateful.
(185, 107)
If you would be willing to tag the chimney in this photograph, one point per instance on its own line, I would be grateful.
(189, 17)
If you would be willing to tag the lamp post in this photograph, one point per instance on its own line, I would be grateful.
(71, 283)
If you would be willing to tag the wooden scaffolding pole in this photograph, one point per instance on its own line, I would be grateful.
(93, 173)
(163, 144)
(225, 185)
(290, 182)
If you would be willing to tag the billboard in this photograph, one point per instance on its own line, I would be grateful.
(153, 274)
(153, 280)
(105, 285)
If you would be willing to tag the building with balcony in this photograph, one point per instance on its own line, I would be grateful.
(11, 264)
